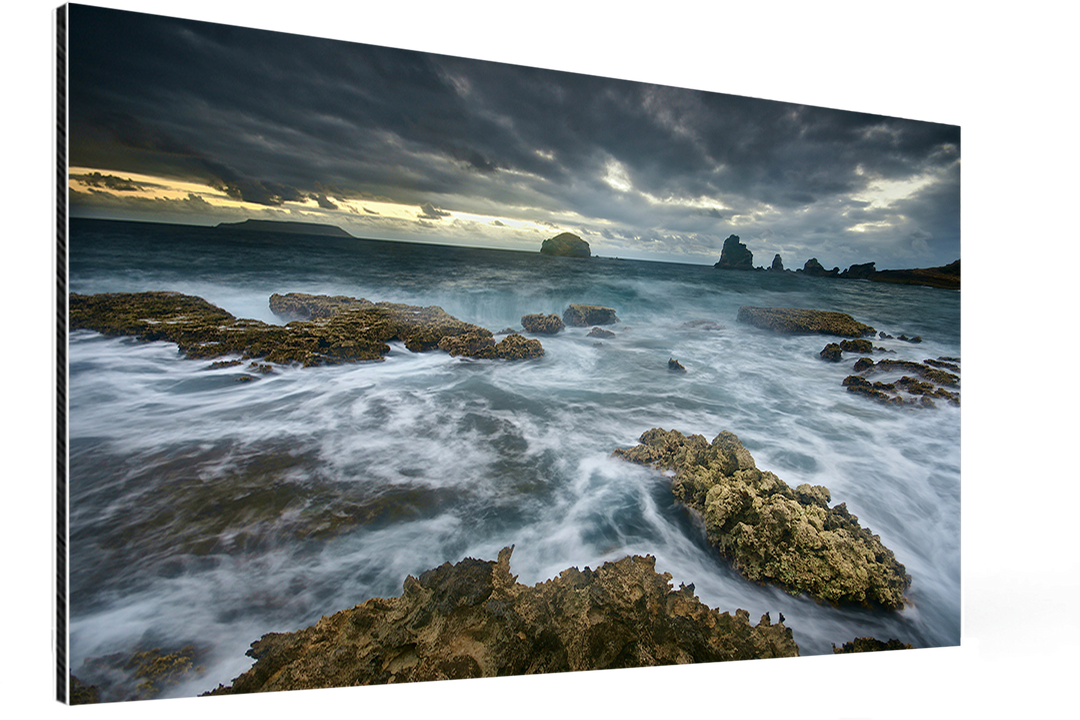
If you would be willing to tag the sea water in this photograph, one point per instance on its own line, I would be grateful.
(211, 506)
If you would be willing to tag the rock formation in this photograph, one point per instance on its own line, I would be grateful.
(946, 276)
(735, 255)
(771, 532)
(567, 245)
(921, 392)
(473, 619)
(814, 269)
(675, 366)
(869, 644)
(335, 329)
(599, 332)
(542, 324)
(777, 263)
(586, 315)
(793, 320)
(832, 352)
(859, 272)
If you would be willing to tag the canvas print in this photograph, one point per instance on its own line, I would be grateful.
(386, 366)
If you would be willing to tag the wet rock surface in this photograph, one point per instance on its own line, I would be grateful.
(907, 390)
(771, 532)
(542, 324)
(796, 321)
(869, 644)
(599, 332)
(586, 315)
(332, 329)
(473, 619)
(675, 366)
(143, 674)
(832, 353)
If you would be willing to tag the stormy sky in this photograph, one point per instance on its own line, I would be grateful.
(179, 121)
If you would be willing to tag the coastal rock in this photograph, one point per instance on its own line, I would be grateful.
(473, 619)
(869, 644)
(915, 339)
(777, 263)
(338, 329)
(831, 352)
(735, 255)
(946, 276)
(860, 345)
(542, 324)
(481, 345)
(143, 674)
(80, 694)
(923, 391)
(675, 366)
(567, 245)
(601, 333)
(586, 315)
(859, 272)
(815, 269)
(708, 325)
(793, 321)
(769, 531)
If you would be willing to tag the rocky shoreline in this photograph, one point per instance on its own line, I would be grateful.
(324, 330)
(473, 619)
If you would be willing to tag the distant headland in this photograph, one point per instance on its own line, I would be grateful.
(736, 256)
(286, 226)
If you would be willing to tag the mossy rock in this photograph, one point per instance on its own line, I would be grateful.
(869, 644)
(831, 353)
(801, 321)
(542, 324)
(860, 345)
(771, 532)
(586, 315)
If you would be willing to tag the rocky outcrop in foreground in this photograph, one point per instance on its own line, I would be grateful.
(869, 644)
(567, 245)
(771, 532)
(474, 619)
(330, 331)
(794, 321)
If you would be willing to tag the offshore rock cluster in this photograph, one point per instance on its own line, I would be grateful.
(800, 321)
(325, 330)
(473, 619)
(771, 532)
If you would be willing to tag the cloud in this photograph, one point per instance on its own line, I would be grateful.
(323, 201)
(110, 182)
(430, 212)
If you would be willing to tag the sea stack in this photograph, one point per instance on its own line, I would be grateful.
(735, 255)
(777, 263)
(567, 245)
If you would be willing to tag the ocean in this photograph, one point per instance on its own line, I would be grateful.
(211, 506)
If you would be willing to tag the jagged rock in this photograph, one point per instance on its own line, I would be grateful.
(863, 364)
(735, 255)
(219, 364)
(80, 694)
(567, 245)
(481, 346)
(675, 366)
(934, 375)
(793, 320)
(777, 263)
(815, 269)
(769, 531)
(506, 331)
(859, 272)
(601, 333)
(943, 363)
(884, 335)
(915, 339)
(878, 391)
(831, 352)
(860, 345)
(473, 619)
(586, 315)
(338, 330)
(869, 644)
(542, 324)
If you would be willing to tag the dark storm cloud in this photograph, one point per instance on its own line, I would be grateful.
(111, 182)
(270, 117)
(324, 202)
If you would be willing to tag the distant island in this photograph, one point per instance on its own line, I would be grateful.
(286, 226)
(567, 245)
